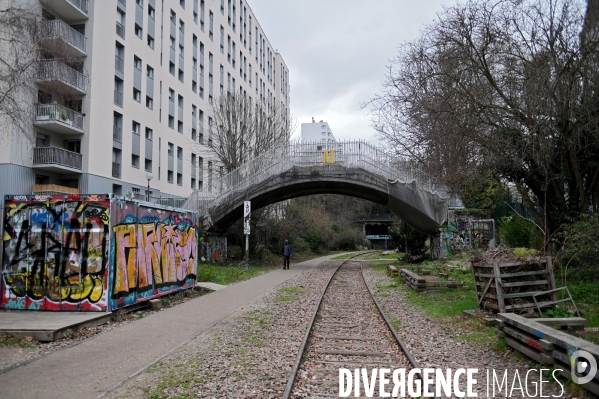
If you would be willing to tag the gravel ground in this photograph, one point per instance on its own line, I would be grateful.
(248, 355)
(434, 344)
(18, 350)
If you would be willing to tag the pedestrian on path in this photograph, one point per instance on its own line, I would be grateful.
(287, 251)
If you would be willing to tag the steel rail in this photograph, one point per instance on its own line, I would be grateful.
(302, 348)
(301, 352)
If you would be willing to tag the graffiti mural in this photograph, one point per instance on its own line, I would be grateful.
(54, 253)
(214, 248)
(464, 232)
(154, 252)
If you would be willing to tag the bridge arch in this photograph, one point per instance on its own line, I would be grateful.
(355, 169)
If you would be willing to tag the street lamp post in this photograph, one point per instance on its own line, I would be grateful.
(149, 177)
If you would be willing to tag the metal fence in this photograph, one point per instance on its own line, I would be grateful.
(56, 70)
(59, 113)
(56, 156)
(58, 29)
(350, 154)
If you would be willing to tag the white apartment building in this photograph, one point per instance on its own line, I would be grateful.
(317, 132)
(135, 94)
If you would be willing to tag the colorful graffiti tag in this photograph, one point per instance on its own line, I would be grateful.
(154, 252)
(54, 253)
(93, 252)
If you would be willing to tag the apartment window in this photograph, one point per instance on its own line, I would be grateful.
(137, 95)
(211, 27)
(151, 12)
(135, 161)
(120, 23)
(182, 3)
(169, 176)
(179, 179)
(149, 134)
(222, 39)
(222, 7)
(138, 31)
(202, 7)
(193, 183)
(118, 92)
(171, 149)
(150, 41)
(148, 165)
(179, 153)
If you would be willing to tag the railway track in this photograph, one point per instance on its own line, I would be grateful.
(348, 330)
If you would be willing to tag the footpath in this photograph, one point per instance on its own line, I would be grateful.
(103, 362)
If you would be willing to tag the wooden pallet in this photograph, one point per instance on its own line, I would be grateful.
(425, 283)
(545, 344)
(500, 287)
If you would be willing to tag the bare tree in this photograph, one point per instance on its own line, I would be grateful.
(31, 48)
(506, 87)
(19, 64)
(243, 129)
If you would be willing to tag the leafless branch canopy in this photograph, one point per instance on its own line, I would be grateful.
(509, 87)
(243, 129)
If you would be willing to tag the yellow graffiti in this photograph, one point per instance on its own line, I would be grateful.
(152, 254)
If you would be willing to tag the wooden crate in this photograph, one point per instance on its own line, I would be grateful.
(521, 287)
(546, 345)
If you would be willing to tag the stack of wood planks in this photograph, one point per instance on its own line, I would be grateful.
(523, 287)
(422, 283)
(537, 339)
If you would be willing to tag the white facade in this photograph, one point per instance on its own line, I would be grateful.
(317, 132)
(148, 71)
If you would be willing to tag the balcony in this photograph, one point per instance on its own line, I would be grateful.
(120, 30)
(119, 64)
(117, 133)
(62, 75)
(68, 9)
(59, 37)
(54, 189)
(116, 170)
(58, 118)
(56, 159)
(118, 98)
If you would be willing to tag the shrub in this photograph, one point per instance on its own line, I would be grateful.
(515, 231)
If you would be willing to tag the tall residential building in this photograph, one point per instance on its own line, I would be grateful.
(316, 132)
(125, 88)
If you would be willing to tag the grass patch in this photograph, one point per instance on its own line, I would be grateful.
(20, 342)
(379, 255)
(285, 298)
(292, 290)
(225, 274)
(395, 323)
(345, 256)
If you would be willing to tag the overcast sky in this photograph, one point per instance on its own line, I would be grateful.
(337, 52)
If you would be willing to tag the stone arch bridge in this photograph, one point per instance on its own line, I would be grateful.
(356, 169)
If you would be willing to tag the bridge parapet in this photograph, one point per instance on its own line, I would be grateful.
(320, 157)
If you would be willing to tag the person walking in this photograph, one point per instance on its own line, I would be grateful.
(287, 251)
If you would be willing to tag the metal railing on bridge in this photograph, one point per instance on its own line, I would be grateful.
(279, 159)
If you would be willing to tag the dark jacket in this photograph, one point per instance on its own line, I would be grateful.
(287, 250)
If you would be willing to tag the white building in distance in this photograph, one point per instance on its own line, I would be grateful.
(317, 132)
(125, 90)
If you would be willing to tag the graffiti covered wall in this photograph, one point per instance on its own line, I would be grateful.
(464, 232)
(93, 253)
(214, 248)
(54, 253)
(154, 253)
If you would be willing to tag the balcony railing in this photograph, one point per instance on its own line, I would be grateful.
(117, 133)
(60, 114)
(56, 156)
(58, 29)
(80, 4)
(120, 30)
(57, 71)
(116, 170)
(118, 98)
(54, 189)
(119, 64)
